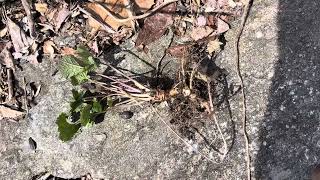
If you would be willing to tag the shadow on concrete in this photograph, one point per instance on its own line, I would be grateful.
(290, 135)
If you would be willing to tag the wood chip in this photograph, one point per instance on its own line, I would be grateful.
(42, 8)
(8, 113)
(3, 32)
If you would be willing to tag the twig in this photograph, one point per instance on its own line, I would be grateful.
(25, 95)
(26, 7)
(244, 108)
(225, 145)
(10, 85)
(122, 20)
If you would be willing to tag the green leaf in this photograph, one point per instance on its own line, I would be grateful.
(79, 78)
(70, 67)
(110, 102)
(66, 130)
(77, 101)
(96, 106)
(83, 53)
(85, 115)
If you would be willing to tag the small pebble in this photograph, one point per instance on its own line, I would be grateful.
(126, 114)
(32, 144)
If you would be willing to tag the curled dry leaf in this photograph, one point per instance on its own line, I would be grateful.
(156, 25)
(48, 48)
(8, 113)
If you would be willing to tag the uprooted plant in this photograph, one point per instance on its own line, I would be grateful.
(190, 99)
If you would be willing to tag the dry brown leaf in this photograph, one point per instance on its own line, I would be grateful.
(42, 8)
(156, 25)
(33, 58)
(144, 5)
(198, 33)
(48, 48)
(179, 51)
(222, 26)
(3, 32)
(6, 57)
(61, 15)
(19, 38)
(8, 113)
(117, 7)
(68, 51)
(213, 46)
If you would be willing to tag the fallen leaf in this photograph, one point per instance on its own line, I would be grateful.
(3, 32)
(19, 38)
(61, 15)
(68, 51)
(117, 7)
(144, 5)
(201, 21)
(156, 25)
(214, 46)
(42, 8)
(179, 51)
(198, 33)
(9, 113)
(222, 26)
(33, 58)
(6, 57)
(48, 48)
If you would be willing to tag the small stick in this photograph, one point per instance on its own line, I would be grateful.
(122, 20)
(26, 7)
(10, 85)
(25, 95)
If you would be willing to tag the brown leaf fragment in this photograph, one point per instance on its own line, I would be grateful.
(33, 58)
(214, 46)
(155, 26)
(68, 51)
(60, 16)
(222, 26)
(19, 38)
(144, 5)
(8, 113)
(42, 8)
(198, 33)
(116, 7)
(179, 51)
(48, 48)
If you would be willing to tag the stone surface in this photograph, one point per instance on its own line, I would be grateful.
(280, 66)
